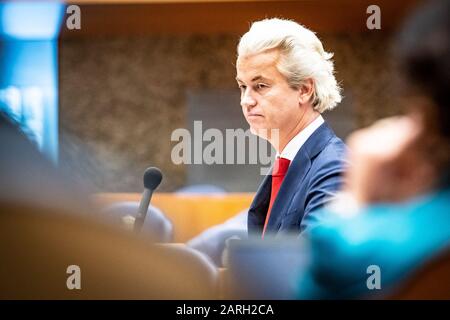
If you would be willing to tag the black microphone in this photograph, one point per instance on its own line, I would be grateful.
(152, 179)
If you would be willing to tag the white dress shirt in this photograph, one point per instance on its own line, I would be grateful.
(297, 142)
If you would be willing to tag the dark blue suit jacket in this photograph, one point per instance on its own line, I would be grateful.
(314, 175)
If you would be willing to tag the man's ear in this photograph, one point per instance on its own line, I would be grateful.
(306, 91)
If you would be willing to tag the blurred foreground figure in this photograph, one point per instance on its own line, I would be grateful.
(400, 182)
(47, 231)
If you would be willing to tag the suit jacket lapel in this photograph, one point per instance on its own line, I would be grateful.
(260, 205)
(293, 179)
(291, 183)
(297, 171)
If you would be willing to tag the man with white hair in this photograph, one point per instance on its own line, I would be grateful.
(286, 81)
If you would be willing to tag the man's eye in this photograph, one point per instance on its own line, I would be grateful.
(242, 87)
(260, 86)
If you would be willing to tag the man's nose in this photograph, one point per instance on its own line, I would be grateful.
(247, 100)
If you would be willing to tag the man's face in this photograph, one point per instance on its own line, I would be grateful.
(267, 100)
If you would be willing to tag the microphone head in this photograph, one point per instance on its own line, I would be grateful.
(152, 178)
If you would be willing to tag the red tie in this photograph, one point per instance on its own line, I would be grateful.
(280, 168)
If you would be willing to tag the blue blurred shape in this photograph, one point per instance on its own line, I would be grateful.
(29, 69)
(30, 20)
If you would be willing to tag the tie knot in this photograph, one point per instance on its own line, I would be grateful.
(280, 167)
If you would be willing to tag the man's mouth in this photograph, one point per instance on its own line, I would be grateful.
(254, 115)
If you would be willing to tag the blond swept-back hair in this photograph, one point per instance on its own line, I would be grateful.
(301, 57)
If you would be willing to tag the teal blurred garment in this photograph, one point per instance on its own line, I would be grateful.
(397, 238)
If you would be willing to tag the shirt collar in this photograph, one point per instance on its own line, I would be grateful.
(297, 142)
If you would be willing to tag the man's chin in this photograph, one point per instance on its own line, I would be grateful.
(260, 132)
